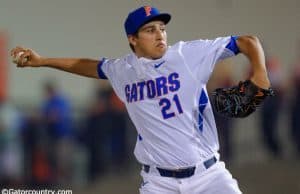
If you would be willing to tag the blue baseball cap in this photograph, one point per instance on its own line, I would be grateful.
(143, 15)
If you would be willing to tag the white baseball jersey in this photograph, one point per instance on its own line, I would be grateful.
(167, 100)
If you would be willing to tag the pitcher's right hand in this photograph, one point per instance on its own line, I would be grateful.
(25, 57)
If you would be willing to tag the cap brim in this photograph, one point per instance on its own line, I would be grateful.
(164, 17)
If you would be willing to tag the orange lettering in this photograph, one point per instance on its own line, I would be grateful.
(148, 10)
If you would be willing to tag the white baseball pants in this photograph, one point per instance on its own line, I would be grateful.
(214, 180)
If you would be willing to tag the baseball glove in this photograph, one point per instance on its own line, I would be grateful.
(239, 101)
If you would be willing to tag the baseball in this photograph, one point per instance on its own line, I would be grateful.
(17, 58)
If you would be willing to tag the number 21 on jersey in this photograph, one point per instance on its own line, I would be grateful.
(166, 104)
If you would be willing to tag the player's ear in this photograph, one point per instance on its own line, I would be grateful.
(132, 39)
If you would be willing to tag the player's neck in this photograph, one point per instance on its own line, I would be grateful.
(142, 55)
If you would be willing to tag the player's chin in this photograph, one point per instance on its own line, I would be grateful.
(160, 51)
(157, 55)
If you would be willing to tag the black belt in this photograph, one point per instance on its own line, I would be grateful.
(181, 173)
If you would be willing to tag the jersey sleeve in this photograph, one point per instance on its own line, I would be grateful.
(201, 55)
(100, 71)
(108, 69)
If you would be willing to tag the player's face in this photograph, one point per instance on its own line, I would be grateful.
(151, 40)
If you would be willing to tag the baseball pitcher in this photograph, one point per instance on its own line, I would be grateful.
(164, 90)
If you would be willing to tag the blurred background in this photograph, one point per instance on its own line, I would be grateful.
(59, 130)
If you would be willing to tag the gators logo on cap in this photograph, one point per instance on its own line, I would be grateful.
(148, 10)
